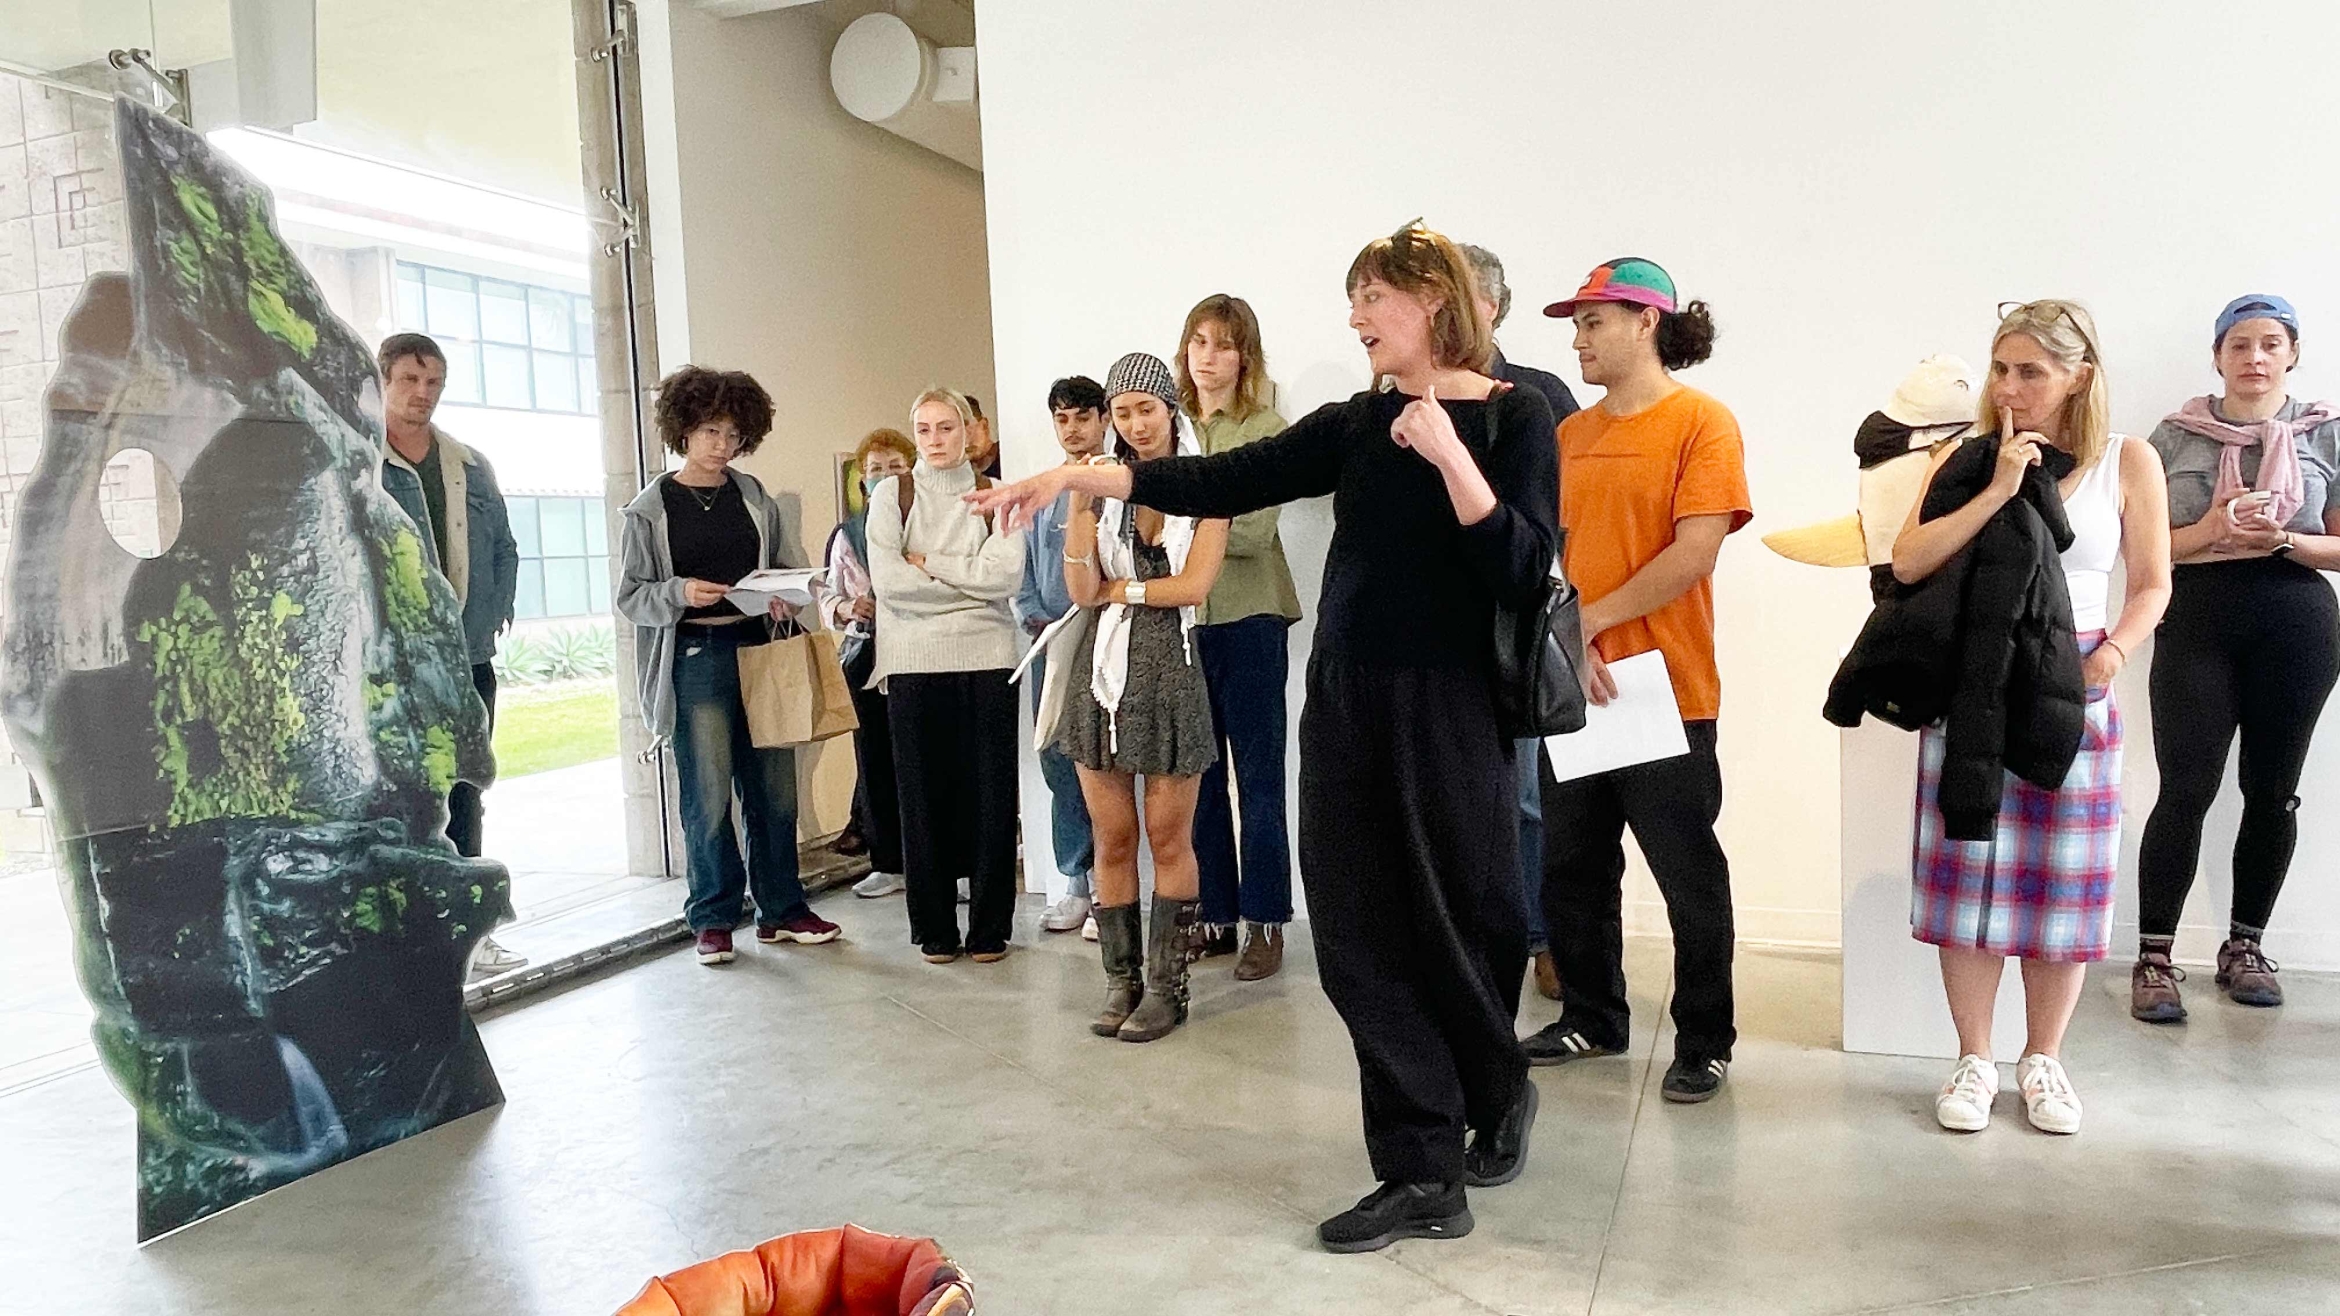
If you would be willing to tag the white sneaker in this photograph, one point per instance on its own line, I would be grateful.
(492, 958)
(1089, 928)
(966, 892)
(1065, 914)
(1965, 1103)
(2048, 1099)
(878, 884)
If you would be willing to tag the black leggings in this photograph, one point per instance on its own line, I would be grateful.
(2253, 645)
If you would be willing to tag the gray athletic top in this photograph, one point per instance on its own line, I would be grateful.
(2191, 463)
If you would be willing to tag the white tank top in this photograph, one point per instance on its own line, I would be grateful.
(2094, 509)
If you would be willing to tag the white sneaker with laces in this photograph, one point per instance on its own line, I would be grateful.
(492, 958)
(1089, 927)
(2048, 1099)
(1066, 914)
(878, 884)
(1965, 1103)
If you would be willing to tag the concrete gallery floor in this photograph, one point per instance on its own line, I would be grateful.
(666, 1112)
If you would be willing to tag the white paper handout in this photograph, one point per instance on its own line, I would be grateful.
(1641, 725)
(755, 591)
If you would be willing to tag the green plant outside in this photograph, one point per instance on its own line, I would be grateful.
(569, 653)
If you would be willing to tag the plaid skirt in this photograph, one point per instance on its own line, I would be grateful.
(2042, 887)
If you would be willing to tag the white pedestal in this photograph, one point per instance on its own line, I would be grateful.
(1893, 1002)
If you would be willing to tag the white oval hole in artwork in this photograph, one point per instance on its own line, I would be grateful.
(139, 501)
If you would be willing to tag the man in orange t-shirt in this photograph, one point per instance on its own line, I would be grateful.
(1653, 478)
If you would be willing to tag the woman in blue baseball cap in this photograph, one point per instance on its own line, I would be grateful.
(2251, 642)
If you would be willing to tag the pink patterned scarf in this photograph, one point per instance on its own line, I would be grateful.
(2278, 444)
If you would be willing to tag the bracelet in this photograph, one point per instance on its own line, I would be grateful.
(1088, 559)
(2115, 646)
(1133, 593)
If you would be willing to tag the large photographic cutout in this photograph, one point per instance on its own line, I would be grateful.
(246, 741)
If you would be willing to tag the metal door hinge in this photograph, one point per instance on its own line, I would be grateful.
(621, 33)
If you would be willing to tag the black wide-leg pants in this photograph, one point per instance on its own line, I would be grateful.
(1409, 854)
(955, 768)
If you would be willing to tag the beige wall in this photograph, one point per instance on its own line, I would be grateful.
(845, 268)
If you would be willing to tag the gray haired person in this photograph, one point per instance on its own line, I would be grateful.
(1495, 302)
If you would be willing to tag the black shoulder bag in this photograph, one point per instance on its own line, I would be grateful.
(1539, 651)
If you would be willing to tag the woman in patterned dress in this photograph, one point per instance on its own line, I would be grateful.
(1137, 707)
(2040, 890)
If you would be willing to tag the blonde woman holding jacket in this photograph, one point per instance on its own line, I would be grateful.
(946, 644)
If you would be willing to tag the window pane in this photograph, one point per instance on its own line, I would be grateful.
(598, 579)
(582, 308)
(529, 602)
(506, 372)
(453, 307)
(588, 386)
(548, 319)
(564, 527)
(556, 381)
(596, 527)
(410, 298)
(503, 312)
(462, 370)
(523, 513)
(565, 592)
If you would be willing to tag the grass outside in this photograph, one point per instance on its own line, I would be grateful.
(543, 727)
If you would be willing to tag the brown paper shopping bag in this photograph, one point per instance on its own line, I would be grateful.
(795, 690)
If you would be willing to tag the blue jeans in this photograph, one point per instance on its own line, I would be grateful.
(1527, 761)
(714, 758)
(1245, 663)
(1068, 810)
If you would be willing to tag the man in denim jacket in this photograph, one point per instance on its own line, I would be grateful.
(1077, 407)
(450, 492)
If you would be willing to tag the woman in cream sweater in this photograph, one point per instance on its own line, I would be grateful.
(946, 643)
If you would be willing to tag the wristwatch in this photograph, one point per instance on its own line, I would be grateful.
(2283, 549)
(1133, 593)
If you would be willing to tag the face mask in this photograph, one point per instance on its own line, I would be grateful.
(869, 483)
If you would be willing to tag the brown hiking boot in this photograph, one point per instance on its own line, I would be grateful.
(2153, 993)
(1547, 976)
(1263, 952)
(2247, 974)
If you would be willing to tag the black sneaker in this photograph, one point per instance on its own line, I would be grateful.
(1691, 1080)
(1497, 1155)
(1398, 1210)
(1557, 1044)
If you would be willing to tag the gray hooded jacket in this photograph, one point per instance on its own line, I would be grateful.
(650, 595)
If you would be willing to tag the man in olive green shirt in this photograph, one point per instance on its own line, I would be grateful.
(1241, 638)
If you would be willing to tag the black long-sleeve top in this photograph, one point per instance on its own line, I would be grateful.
(1405, 583)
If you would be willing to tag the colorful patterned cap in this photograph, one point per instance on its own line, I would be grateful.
(1625, 279)
(1141, 372)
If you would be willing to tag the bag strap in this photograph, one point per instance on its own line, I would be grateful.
(906, 493)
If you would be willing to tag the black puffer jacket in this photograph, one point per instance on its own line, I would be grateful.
(1984, 646)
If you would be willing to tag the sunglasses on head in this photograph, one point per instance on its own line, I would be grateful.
(2048, 308)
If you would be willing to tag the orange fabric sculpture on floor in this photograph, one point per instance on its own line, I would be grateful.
(826, 1272)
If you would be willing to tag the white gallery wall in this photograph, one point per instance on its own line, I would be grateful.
(1852, 186)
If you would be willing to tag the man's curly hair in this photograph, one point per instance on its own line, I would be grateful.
(695, 395)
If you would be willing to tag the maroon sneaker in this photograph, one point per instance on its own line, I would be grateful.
(805, 929)
(2247, 974)
(714, 946)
